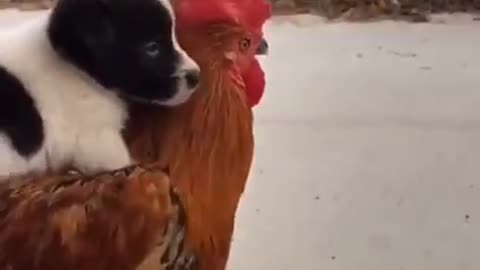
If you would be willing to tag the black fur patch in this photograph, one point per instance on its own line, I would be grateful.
(19, 119)
(109, 40)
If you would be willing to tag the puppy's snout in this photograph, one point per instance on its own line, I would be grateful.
(188, 70)
(192, 77)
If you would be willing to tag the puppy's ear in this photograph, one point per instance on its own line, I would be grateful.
(84, 23)
(96, 30)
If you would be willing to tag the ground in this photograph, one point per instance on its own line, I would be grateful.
(368, 141)
(368, 144)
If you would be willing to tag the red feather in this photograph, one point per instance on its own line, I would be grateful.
(251, 14)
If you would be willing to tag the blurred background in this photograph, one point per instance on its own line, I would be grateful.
(417, 10)
(368, 138)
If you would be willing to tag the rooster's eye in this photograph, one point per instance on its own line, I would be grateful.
(245, 44)
(152, 48)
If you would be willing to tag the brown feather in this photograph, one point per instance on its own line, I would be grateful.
(108, 221)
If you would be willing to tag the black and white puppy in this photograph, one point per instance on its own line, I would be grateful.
(66, 77)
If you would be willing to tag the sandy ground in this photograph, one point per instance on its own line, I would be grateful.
(368, 149)
(368, 144)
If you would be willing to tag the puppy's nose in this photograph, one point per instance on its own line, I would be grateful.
(192, 77)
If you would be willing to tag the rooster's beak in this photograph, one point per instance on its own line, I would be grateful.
(262, 48)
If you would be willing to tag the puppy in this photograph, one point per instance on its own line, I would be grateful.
(66, 78)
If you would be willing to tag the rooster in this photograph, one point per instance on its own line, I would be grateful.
(138, 218)
(208, 143)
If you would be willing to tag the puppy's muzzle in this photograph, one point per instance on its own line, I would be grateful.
(262, 48)
(192, 78)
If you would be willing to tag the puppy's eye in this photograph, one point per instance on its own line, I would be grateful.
(152, 48)
(245, 44)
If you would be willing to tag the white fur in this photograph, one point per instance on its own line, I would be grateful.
(82, 122)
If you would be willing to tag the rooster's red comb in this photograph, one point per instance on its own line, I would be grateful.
(248, 13)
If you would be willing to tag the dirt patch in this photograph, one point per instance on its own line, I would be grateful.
(26, 4)
(351, 10)
(361, 10)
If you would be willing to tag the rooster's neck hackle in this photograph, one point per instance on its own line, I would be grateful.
(207, 145)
